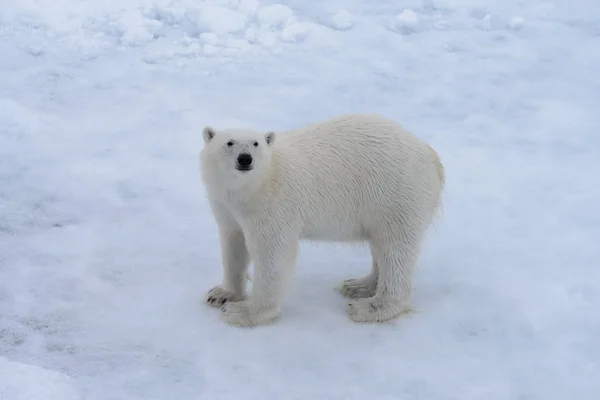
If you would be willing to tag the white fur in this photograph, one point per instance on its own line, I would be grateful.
(355, 178)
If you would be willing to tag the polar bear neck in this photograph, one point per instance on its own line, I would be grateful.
(240, 193)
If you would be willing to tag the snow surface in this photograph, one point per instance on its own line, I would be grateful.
(28, 382)
(407, 21)
(342, 20)
(107, 245)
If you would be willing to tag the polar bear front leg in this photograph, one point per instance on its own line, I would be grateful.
(236, 260)
(274, 260)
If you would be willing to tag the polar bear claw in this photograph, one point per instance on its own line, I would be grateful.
(218, 296)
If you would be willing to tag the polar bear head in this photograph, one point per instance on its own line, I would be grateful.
(235, 158)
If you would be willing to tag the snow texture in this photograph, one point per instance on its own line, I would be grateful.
(28, 382)
(407, 21)
(342, 20)
(516, 23)
(107, 244)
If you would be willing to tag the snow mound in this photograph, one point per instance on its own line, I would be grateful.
(274, 16)
(209, 38)
(294, 33)
(135, 28)
(221, 20)
(248, 7)
(20, 381)
(486, 23)
(407, 21)
(516, 23)
(342, 20)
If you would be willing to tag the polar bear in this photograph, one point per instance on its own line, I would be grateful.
(354, 178)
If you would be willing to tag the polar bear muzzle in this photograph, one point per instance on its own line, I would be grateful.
(244, 162)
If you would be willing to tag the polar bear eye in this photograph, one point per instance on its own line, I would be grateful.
(255, 144)
(230, 143)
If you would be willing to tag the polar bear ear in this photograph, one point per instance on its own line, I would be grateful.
(270, 137)
(208, 134)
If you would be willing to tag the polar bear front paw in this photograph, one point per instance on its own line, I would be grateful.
(244, 314)
(373, 309)
(218, 296)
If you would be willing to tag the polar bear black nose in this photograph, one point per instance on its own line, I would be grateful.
(244, 160)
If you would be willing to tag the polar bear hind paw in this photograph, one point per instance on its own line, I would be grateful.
(374, 309)
(217, 296)
(244, 314)
(359, 288)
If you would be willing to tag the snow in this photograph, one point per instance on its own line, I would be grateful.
(275, 15)
(107, 245)
(221, 20)
(294, 33)
(516, 23)
(342, 20)
(407, 20)
(28, 382)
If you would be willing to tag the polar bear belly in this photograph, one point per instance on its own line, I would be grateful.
(334, 227)
(329, 233)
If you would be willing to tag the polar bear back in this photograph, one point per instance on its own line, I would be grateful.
(346, 177)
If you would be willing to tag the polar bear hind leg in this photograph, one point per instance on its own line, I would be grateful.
(396, 259)
(362, 287)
